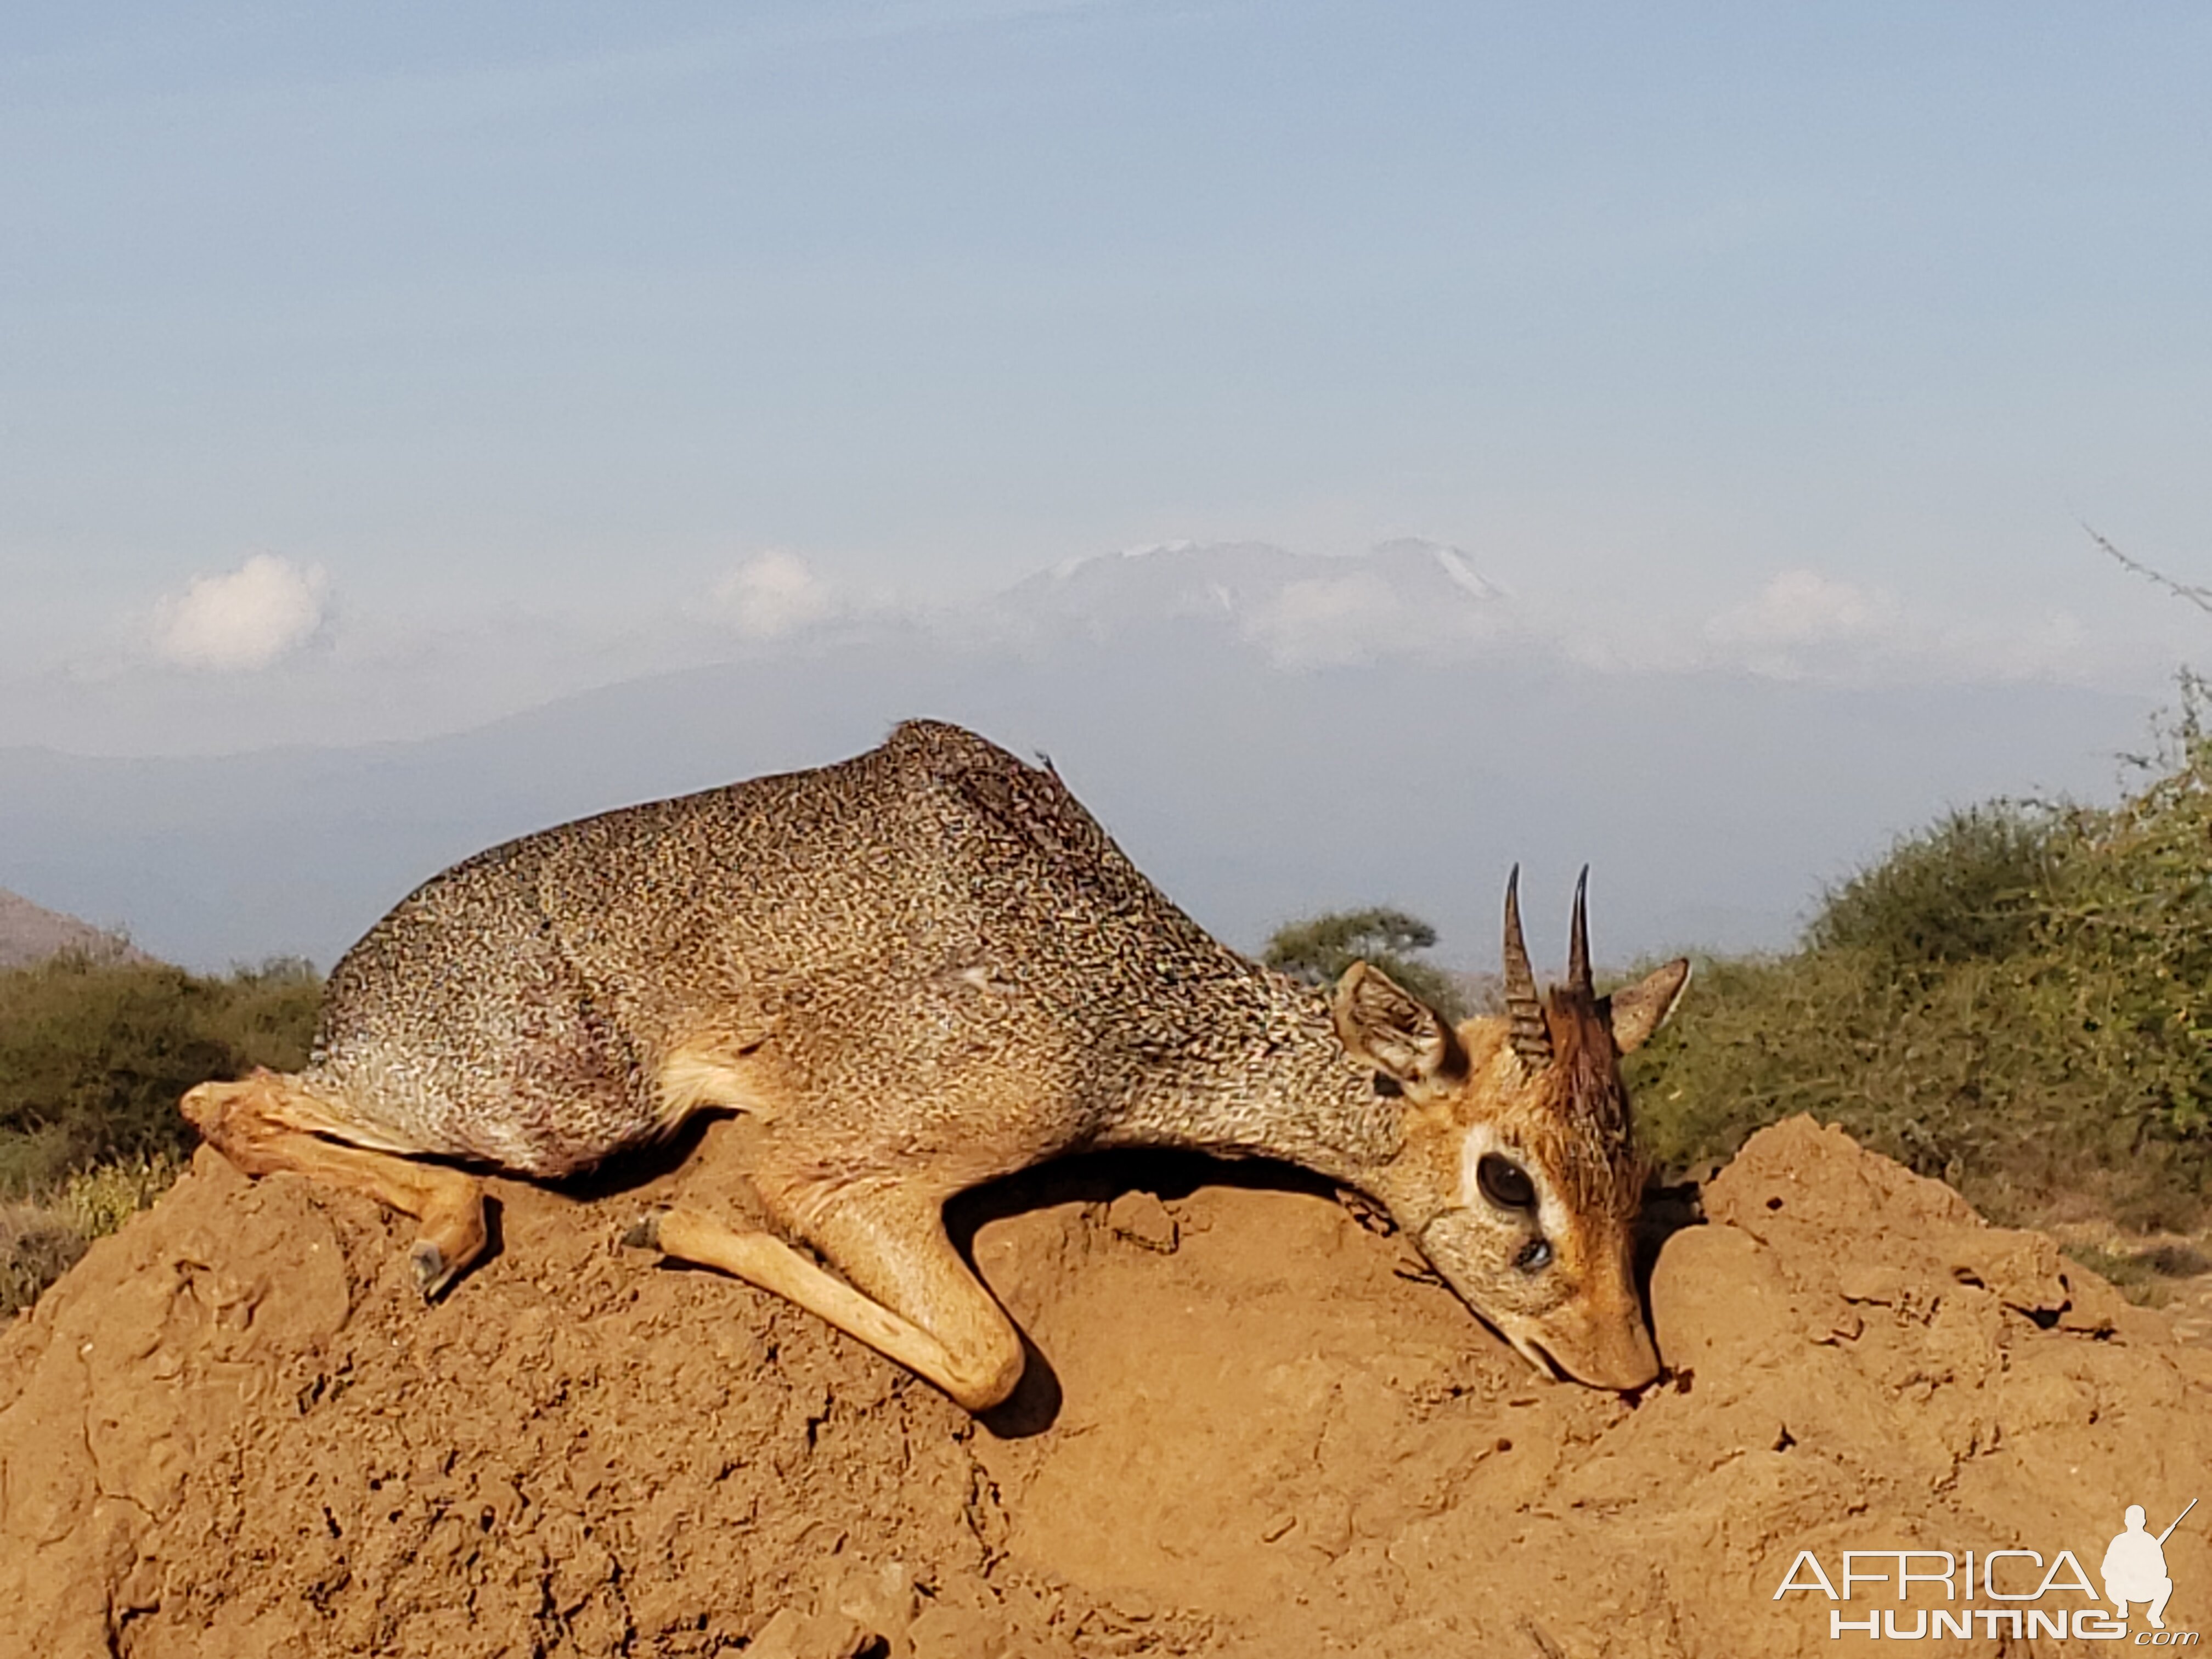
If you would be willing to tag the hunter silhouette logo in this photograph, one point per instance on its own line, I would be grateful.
(2135, 1566)
(2022, 1595)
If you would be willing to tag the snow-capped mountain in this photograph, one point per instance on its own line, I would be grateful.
(1406, 596)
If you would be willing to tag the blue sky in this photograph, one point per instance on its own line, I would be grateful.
(508, 334)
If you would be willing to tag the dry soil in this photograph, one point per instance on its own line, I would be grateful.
(1252, 1426)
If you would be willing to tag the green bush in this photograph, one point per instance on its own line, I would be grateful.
(1967, 890)
(99, 1200)
(94, 1054)
(2018, 1000)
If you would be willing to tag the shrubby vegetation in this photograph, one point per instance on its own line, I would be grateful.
(2018, 1000)
(41, 1239)
(95, 1052)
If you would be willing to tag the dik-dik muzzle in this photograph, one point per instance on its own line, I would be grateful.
(1520, 1179)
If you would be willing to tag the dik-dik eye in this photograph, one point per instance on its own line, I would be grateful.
(1504, 1182)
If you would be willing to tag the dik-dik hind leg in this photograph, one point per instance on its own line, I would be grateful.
(940, 1322)
(267, 1123)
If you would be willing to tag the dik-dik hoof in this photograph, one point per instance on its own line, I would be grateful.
(431, 1273)
(644, 1233)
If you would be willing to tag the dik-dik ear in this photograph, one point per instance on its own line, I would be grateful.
(1399, 1035)
(1635, 1011)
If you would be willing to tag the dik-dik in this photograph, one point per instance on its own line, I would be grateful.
(920, 969)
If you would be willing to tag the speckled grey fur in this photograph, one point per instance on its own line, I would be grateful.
(905, 942)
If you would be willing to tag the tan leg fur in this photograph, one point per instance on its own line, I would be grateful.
(949, 1331)
(268, 1123)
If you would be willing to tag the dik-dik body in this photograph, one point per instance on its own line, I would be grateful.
(921, 969)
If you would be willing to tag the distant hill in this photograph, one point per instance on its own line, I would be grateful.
(30, 932)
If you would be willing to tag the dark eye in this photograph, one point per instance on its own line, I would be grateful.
(1504, 1182)
(1536, 1253)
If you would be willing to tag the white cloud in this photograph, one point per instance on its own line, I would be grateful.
(2052, 647)
(249, 618)
(1327, 621)
(1801, 608)
(1803, 625)
(1407, 597)
(775, 593)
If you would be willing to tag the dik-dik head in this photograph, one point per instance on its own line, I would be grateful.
(1519, 1178)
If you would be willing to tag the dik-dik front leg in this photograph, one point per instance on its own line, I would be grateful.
(923, 1308)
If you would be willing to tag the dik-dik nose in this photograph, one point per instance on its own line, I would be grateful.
(1626, 1359)
(1603, 1341)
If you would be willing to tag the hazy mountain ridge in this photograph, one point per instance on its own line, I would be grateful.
(30, 933)
(1251, 787)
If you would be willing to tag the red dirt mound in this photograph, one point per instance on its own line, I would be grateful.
(234, 1431)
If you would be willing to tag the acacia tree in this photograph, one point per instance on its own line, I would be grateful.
(1320, 948)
